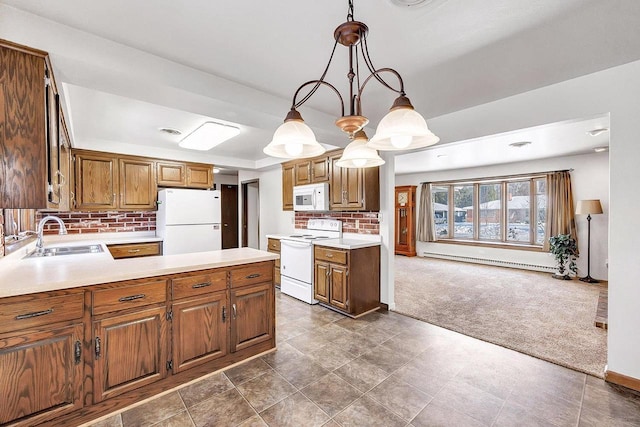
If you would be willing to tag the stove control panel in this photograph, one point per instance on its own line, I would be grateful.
(325, 225)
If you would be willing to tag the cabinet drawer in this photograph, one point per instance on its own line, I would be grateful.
(17, 314)
(332, 255)
(183, 287)
(252, 273)
(115, 299)
(274, 245)
(134, 250)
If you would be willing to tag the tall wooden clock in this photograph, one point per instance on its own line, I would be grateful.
(405, 220)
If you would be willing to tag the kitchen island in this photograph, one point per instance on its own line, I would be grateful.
(84, 335)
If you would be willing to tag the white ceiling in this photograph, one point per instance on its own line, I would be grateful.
(129, 67)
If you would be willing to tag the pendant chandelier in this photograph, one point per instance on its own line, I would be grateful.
(401, 129)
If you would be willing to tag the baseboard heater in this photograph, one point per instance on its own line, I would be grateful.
(487, 261)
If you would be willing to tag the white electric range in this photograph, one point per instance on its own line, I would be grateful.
(296, 257)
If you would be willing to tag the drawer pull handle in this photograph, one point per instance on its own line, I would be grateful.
(253, 276)
(133, 251)
(201, 285)
(329, 255)
(132, 298)
(34, 314)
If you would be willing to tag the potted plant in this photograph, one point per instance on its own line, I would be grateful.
(565, 250)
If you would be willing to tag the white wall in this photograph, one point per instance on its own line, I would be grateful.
(589, 179)
(273, 220)
(614, 91)
(225, 179)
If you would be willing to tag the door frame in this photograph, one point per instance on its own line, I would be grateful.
(245, 212)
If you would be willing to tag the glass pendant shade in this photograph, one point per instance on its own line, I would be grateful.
(358, 155)
(293, 139)
(402, 129)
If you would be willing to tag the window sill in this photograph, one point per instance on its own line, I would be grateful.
(499, 245)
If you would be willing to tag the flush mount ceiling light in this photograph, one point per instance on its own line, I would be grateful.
(596, 132)
(170, 131)
(358, 155)
(216, 170)
(208, 135)
(519, 144)
(401, 129)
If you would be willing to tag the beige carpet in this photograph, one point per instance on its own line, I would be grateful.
(523, 310)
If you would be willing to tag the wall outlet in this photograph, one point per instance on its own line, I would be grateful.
(357, 223)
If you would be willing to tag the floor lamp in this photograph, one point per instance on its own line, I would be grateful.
(589, 207)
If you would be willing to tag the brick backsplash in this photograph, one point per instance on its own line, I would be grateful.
(100, 222)
(367, 222)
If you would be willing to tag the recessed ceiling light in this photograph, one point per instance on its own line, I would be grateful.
(600, 149)
(216, 170)
(519, 144)
(596, 132)
(170, 131)
(208, 135)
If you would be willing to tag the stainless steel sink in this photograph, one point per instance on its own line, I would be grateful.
(66, 250)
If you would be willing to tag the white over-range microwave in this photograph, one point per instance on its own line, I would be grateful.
(312, 197)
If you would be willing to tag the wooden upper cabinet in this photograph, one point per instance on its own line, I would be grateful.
(137, 184)
(288, 179)
(96, 181)
(353, 189)
(199, 176)
(311, 171)
(23, 130)
(178, 174)
(171, 174)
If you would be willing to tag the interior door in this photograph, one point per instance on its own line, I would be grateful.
(229, 211)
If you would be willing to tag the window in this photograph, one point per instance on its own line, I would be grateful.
(508, 210)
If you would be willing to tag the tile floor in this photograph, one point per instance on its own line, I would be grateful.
(385, 370)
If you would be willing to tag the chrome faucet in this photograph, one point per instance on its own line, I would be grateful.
(40, 230)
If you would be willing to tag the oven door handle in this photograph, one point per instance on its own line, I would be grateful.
(293, 244)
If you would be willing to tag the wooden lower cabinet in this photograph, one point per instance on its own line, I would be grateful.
(273, 245)
(347, 280)
(142, 337)
(130, 351)
(251, 315)
(41, 374)
(199, 330)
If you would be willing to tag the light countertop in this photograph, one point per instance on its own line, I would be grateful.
(20, 276)
(346, 243)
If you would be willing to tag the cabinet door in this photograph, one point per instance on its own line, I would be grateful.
(96, 182)
(42, 375)
(171, 174)
(23, 132)
(52, 101)
(137, 184)
(352, 182)
(321, 285)
(303, 172)
(251, 315)
(65, 174)
(130, 352)
(288, 178)
(199, 330)
(199, 176)
(339, 291)
(320, 170)
(336, 185)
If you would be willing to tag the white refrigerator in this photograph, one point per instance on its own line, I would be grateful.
(188, 220)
